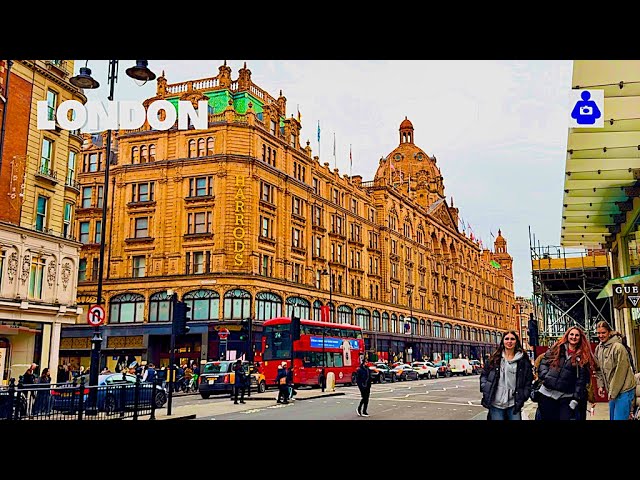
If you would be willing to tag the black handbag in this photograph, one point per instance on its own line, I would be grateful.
(535, 392)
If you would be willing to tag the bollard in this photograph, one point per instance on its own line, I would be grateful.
(331, 382)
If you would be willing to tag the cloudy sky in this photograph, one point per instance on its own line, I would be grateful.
(498, 128)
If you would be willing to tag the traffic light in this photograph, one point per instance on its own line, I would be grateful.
(533, 331)
(180, 318)
(244, 330)
(295, 328)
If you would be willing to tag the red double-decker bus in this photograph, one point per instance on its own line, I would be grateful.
(343, 347)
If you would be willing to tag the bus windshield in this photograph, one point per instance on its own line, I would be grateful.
(277, 342)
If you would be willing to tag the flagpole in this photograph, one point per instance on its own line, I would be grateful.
(335, 160)
(319, 157)
(350, 161)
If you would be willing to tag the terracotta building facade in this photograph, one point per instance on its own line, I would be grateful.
(242, 221)
(38, 195)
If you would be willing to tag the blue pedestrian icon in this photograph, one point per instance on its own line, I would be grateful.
(586, 111)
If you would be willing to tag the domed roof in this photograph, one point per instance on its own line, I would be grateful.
(406, 123)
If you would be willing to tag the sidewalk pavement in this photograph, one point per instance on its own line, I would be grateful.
(220, 404)
(600, 412)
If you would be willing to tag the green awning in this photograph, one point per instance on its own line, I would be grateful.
(607, 291)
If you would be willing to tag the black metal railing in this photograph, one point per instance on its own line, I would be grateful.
(75, 400)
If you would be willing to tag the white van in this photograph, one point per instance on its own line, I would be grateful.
(460, 366)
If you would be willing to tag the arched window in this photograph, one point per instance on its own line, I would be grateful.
(420, 236)
(376, 321)
(447, 330)
(495, 337)
(317, 316)
(152, 152)
(394, 323)
(205, 304)
(237, 304)
(473, 335)
(422, 330)
(210, 146)
(134, 155)
(428, 332)
(487, 336)
(437, 329)
(345, 314)
(160, 307)
(408, 231)
(192, 148)
(457, 332)
(201, 150)
(127, 308)
(299, 306)
(363, 318)
(385, 322)
(143, 154)
(268, 305)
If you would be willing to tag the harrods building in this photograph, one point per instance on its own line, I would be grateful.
(242, 221)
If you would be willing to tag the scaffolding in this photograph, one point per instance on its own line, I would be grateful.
(565, 286)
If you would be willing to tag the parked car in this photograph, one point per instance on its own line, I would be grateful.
(377, 376)
(115, 392)
(477, 366)
(219, 377)
(444, 370)
(425, 369)
(388, 375)
(405, 372)
(460, 366)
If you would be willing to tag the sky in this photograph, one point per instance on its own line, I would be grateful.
(498, 128)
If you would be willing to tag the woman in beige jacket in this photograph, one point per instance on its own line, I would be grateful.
(615, 373)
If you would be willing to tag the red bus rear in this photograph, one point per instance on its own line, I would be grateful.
(343, 347)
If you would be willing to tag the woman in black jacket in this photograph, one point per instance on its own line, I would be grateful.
(505, 381)
(564, 374)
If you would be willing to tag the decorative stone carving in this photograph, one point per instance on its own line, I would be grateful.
(26, 264)
(51, 272)
(13, 266)
(66, 274)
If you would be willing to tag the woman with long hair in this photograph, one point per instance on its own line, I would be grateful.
(505, 380)
(616, 372)
(564, 373)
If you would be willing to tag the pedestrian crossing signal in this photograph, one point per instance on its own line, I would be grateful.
(181, 316)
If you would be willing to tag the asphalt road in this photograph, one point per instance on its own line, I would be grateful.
(455, 398)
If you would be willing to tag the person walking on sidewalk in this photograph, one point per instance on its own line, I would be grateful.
(564, 374)
(505, 380)
(615, 373)
(238, 382)
(363, 378)
(281, 381)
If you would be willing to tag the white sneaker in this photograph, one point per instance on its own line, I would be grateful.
(365, 414)
(358, 412)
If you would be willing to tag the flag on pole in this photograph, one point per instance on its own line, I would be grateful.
(350, 160)
(492, 235)
(318, 130)
(299, 116)
(335, 160)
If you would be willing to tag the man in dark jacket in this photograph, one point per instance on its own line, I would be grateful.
(238, 382)
(363, 378)
(281, 381)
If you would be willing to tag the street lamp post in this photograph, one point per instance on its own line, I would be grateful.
(85, 80)
(410, 295)
(324, 356)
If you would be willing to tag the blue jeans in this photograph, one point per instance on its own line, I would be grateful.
(496, 413)
(620, 407)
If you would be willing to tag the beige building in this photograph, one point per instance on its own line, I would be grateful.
(242, 221)
(38, 253)
(601, 204)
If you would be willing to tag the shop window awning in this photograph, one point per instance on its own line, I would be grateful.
(607, 291)
(602, 169)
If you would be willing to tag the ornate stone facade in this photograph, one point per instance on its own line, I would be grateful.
(243, 221)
